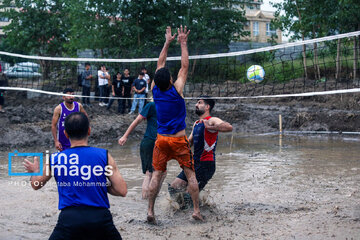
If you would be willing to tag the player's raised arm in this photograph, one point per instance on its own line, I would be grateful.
(216, 124)
(179, 84)
(163, 54)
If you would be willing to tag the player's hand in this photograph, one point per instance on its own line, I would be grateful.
(113, 94)
(169, 38)
(32, 167)
(122, 141)
(58, 146)
(207, 124)
(183, 34)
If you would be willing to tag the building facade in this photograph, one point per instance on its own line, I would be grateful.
(259, 24)
(4, 21)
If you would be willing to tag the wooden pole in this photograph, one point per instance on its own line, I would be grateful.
(280, 131)
(231, 141)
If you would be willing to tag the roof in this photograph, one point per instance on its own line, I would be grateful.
(260, 14)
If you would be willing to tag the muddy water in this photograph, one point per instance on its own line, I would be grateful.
(301, 187)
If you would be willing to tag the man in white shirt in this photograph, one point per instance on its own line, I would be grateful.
(147, 79)
(103, 77)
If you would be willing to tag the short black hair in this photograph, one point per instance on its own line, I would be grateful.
(77, 125)
(208, 100)
(162, 78)
(87, 64)
(66, 90)
(143, 68)
(141, 73)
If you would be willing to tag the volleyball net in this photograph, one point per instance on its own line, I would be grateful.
(327, 65)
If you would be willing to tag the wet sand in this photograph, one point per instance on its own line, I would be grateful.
(307, 188)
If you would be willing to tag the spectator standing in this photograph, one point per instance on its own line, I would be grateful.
(116, 91)
(86, 84)
(103, 77)
(139, 88)
(127, 82)
(108, 87)
(147, 79)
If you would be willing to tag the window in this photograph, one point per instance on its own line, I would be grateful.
(256, 28)
(269, 30)
(4, 19)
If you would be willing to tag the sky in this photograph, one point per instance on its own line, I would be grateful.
(267, 7)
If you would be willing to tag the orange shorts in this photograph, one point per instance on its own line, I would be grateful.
(167, 148)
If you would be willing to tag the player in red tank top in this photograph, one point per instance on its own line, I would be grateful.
(204, 139)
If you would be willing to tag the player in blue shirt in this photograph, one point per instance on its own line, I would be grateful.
(81, 173)
(171, 142)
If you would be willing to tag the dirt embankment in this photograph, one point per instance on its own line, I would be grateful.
(27, 122)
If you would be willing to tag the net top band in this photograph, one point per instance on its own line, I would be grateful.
(205, 56)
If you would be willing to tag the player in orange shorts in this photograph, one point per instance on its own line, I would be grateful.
(171, 142)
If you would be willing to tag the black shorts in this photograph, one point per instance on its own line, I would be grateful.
(85, 223)
(146, 154)
(203, 173)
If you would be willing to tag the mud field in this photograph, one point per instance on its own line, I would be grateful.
(300, 188)
(27, 122)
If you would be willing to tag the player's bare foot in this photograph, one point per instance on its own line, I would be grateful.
(151, 219)
(197, 217)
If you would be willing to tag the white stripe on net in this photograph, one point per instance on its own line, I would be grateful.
(306, 94)
(218, 55)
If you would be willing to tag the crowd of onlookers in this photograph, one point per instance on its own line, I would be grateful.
(122, 87)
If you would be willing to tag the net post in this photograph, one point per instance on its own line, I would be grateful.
(231, 141)
(280, 126)
(280, 132)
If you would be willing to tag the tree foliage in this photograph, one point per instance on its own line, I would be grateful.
(117, 28)
(36, 26)
(317, 18)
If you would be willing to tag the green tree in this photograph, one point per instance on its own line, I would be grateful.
(312, 19)
(297, 21)
(348, 20)
(119, 28)
(136, 27)
(36, 27)
(96, 25)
